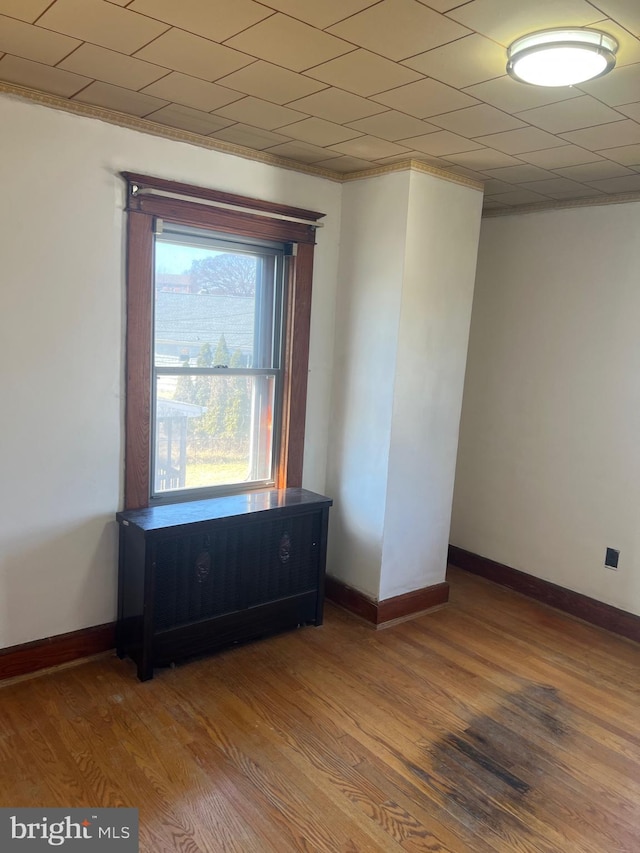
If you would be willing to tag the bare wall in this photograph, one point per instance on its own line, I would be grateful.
(548, 471)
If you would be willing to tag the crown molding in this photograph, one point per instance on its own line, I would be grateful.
(414, 166)
(175, 134)
(541, 206)
(154, 129)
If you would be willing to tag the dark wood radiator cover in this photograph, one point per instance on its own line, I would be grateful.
(198, 576)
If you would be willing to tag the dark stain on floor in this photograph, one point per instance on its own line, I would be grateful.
(485, 772)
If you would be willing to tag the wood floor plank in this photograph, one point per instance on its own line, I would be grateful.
(495, 725)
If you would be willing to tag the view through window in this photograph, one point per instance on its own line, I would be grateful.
(217, 360)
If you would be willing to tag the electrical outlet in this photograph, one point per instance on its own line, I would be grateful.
(611, 558)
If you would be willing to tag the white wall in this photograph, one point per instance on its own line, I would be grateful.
(440, 264)
(374, 219)
(549, 467)
(407, 268)
(61, 348)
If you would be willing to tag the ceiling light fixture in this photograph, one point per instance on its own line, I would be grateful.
(562, 57)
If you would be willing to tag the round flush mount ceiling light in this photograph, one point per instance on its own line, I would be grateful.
(562, 57)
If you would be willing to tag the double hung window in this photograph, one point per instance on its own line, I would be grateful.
(218, 310)
(217, 366)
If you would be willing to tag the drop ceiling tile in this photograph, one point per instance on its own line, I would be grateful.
(595, 171)
(320, 14)
(490, 204)
(477, 121)
(493, 186)
(271, 83)
(250, 137)
(631, 110)
(425, 98)
(509, 95)
(24, 10)
(192, 92)
(345, 164)
(629, 184)
(109, 66)
(301, 152)
(185, 118)
(519, 174)
(515, 141)
(34, 43)
(628, 155)
(580, 191)
(469, 60)
(370, 148)
(555, 158)
(505, 20)
(625, 12)
(285, 41)
(441, 5)
(618, 133)
(101, 23)
(518, 197)
(216, 21)
(574, 114)
(398, 29)
(393, 125)
(441, 144)
(259, 113)
(420, 156)
(337, 106)
(363, 73)
(621, 86)
(483, 159)
(317, 131)
(552, 187)
(117, 98)
(467, 173)
(193, 55)
(35, 75)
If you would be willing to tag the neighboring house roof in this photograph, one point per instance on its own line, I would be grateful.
(171, 280)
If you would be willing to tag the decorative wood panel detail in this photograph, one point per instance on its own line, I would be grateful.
(229, 221)
(298, 360)
(381, 612)
(138, 372)
(53, 651)
(148, 181)
(589, 609)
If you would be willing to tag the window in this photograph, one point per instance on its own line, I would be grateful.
(218, 309)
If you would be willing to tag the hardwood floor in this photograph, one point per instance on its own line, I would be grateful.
(496, 725)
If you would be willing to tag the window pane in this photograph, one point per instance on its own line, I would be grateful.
(213, 431)
(214, 306)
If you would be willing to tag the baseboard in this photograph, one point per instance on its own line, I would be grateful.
(588, 609)
(389, 609)
(52, 651)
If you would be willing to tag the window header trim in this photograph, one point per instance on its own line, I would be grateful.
(141, 185)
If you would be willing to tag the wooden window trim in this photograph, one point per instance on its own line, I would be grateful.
(142, 209)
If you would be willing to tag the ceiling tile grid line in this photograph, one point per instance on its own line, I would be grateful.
(337, 82)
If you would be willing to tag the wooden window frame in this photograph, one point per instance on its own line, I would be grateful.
(149, 198)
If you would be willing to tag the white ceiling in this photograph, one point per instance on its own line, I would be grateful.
(349, 84)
